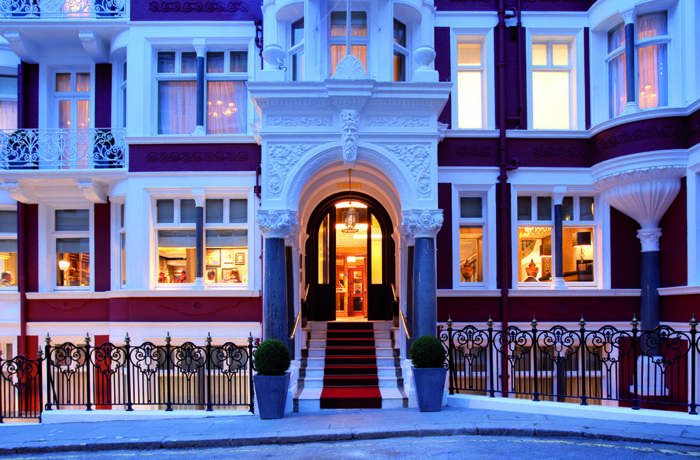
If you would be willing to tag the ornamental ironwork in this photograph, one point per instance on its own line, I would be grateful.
(63, 9)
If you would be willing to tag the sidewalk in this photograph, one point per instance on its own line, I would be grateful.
(218, 430)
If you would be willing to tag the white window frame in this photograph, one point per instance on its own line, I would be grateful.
(296, 49)
(11, 97)
(570, 69)
(11, 236)
(225, 225)
(117, 231)
(354, 39)
(55, 235)
(485, 37)
(403, 50)
(612, 55)
(177, 75)
(656, 40)
(474, 222)
(596, 224)
(121, 95)
(72, 95)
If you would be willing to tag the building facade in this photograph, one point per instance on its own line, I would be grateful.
(245, 167)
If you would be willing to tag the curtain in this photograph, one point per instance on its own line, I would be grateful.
(338, 53)
(177, 107)
(226, 107)
(8, 114)
(616, 71)
(652, 61)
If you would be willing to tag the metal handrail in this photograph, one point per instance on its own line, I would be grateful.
(296, 322)
(403, 319)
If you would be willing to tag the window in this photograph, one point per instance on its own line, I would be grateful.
(400, 51)
(297, 50)
(122, 246)
(122, 94)
(8, 248)
(226, 95)
(358, 37)
(471, 90)
(8, 102)
(553, 85)
(72, 236)
(652, 76)
(652, 44)
(226, 241)
(471, 239)
(535, 239)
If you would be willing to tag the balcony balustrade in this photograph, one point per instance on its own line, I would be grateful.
(62, 149)
(62, 9)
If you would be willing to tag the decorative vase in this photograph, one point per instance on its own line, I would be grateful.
(271, 391)
(430, 386)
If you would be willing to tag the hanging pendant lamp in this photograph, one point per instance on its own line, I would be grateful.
(351, 213)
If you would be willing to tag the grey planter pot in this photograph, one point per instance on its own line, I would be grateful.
(430, 385)
(271, 391)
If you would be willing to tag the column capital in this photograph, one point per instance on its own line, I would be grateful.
(199, 45)
(649, 237)
(277, 223)
(407, 235)
(423, 223)
(628, 16)
(558, 194)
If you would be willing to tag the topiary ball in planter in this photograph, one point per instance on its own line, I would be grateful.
(427, 351)
(272, 358)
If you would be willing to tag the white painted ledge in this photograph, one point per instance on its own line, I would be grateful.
(542, 292)
(680, 290)
(591, 411)
(206, 292)
(64, 416)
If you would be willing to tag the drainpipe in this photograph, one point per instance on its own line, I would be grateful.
(521, 72)
(22, 278)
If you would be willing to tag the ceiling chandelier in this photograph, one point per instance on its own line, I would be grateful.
(350, 224)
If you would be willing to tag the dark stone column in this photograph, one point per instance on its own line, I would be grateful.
(629, 62)
(651, 315)
(559, 246)
(199, 235)
(275, 290)
(200, 91)
(425, 293)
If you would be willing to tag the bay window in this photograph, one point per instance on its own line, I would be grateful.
(358, 37)
(553, 85)
(226, 95)
(537, 245)
(617, 76)
(471, 239)
(8, 248)
(72, 242)
(471, 83)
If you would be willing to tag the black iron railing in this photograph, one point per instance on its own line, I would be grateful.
(82, 376)
(628, 367)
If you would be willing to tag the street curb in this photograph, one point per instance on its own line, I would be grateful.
(348, 436)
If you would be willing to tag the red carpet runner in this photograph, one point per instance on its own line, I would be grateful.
(350, 378)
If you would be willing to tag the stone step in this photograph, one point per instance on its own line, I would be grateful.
(378, 343)
(383, 382)
(318, 373)
(321, 335)
(309, 399)
(322, 352)
(313, 362)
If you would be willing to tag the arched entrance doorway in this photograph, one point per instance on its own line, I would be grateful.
(350, 273)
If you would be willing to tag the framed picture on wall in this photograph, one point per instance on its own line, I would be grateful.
(211, 275)
(227, 255)
(240, 258)
(230, 275)
(213, 257)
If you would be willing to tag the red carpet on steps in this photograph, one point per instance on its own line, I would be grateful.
(350, 378)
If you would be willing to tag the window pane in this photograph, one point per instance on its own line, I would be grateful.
(524, 208)
(544, 208)
(534, 253)
(586, 207)
(8, 221)
(8, 262)
(188, 212)
(226, 256)
(469, 53)
(376, 246)
(72, 220)
(617, 85)
(238, 211)
(215, 62)
(652, 76)
(8, 114)
(83, 113)
(177, 256)
(177, 107)
(121, 215)
(323, 252)
(578, 253)
(399, 67)
(471, 239)
(651, 25)
(215, 211)
(165, 211)
(72, 262)
(166, 62)
(567, 208)
(63, 82)
(399, 33)
(189, 63)
(616, 38)
(298, 66)
(550, 100)
(226, 107)
(298, 32)
(239, 61)
(122, 257)
(470, 206)
(539, 54)
(358, 23)
(560, 54)
(469, 89)
(338, 53)
(82, 82)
